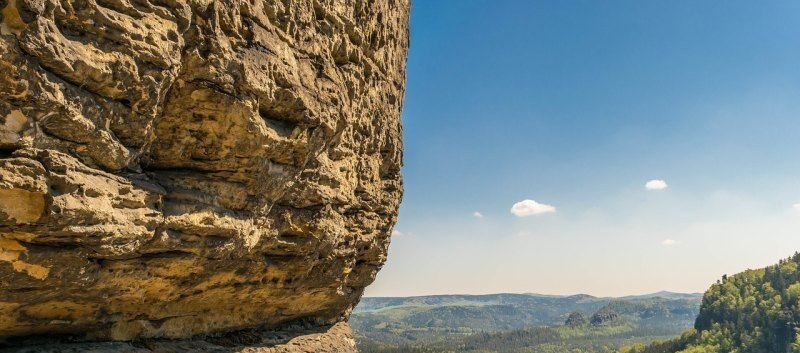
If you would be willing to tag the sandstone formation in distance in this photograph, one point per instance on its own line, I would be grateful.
(181, 169)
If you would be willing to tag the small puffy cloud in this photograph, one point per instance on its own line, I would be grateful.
(796, 207)
(477, 214)
(527, 208)
(669, 242)
(655, 184)
(396, 233)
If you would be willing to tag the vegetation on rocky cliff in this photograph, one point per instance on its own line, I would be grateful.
(752, 312)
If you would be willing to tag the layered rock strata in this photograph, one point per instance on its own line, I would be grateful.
(175, 168)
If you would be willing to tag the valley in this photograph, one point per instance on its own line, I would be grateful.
(755, 311)
(520, 322)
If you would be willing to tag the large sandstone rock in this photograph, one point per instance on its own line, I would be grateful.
(174, 168)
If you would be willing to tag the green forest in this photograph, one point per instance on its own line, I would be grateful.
(519, 323)
(756, 311)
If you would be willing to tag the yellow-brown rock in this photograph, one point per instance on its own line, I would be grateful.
(183, 168)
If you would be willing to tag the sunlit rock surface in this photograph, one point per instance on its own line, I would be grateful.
(175, 168)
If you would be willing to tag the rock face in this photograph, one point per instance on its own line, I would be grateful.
(575, 319)
(337, 338)
(174, 168)
(604, 316)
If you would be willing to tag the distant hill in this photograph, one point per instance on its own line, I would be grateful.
(379, 303)
(666, 295)
(368, 304)
(403, 324)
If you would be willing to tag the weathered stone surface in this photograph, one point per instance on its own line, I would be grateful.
(173, 168)
(337, 338)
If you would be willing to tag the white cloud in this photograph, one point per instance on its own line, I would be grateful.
(669, 242)
(527, 208)
(396, 233)
(477, 214)
(796, 207)
(655, 184)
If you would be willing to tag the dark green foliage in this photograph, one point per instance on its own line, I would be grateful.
(669, 346)
(516, 338)
(557, 339)
(756, 311)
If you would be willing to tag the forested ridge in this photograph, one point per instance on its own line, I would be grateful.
(520, 323)
(756, 311)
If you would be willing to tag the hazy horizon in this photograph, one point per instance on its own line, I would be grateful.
(608, 148)
(533, 294)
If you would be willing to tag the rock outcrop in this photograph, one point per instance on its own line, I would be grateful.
(575, 319)
(179, 168)
(604, 316)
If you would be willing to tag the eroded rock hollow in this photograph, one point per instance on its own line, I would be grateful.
(175, 168)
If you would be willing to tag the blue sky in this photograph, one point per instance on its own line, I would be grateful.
(577, 104)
